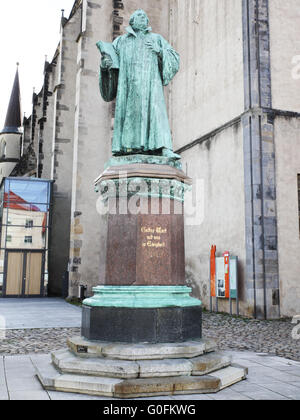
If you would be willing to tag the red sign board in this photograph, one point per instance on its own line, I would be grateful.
(226, 272)
(213, 270)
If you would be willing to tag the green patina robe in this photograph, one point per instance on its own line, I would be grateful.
(141, 120)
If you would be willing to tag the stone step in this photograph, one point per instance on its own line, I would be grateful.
(91, 385)
(53, 380)
(67, 362)
(230, 375)
(132, 388)
(207, 363)
(142, 351)
(45, 370)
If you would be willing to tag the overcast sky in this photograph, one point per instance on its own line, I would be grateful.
(29, 30)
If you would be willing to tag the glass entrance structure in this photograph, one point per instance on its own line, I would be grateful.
(25, 219)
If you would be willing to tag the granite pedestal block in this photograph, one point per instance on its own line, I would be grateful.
(133, 325)
(145, 223)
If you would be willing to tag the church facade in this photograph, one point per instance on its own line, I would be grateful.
(234, 113)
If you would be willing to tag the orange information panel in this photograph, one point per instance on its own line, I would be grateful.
(223, 277)
(213, 270)
(226, 274)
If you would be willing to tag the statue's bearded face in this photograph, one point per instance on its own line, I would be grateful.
(139, 20)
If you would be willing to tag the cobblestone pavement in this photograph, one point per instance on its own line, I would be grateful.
(230, 333)
(35, 340)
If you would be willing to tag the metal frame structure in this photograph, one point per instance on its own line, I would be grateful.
(43, 250)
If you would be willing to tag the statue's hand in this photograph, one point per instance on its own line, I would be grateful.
(153, 47)
(106, 62)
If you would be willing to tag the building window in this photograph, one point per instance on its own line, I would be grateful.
(29, 223)
(28, 239)
(8, 221)
(8, 238)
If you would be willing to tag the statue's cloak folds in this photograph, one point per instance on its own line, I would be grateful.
(141, 120)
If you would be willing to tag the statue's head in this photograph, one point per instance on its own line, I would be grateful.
(139, 20)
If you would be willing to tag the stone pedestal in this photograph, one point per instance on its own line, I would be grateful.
(141, 330)
(144, 297)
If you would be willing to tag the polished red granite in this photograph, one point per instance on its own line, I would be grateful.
(146, 249)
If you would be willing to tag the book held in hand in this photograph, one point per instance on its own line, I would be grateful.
(106, 48)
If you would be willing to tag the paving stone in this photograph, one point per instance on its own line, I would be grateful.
(20, 376)
(229, 394)
(3, 395)
(39, 313)
(284, 389)
(294, 370)
(23, 384)
(296, 384)
(281, 376)
(29, 395)
(265, 395)
(2, 374)
(246, 387)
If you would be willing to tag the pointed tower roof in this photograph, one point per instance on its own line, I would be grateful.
(13, 116)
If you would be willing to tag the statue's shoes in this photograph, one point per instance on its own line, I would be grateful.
(170, 154)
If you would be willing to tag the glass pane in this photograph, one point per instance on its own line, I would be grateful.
(20, 237)
(25, 214)
(27, 195)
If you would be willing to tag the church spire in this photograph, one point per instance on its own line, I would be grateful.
(13, 116)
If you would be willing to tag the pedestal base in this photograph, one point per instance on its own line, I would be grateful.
(133, 325)
(133, 314)
(138, 370)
